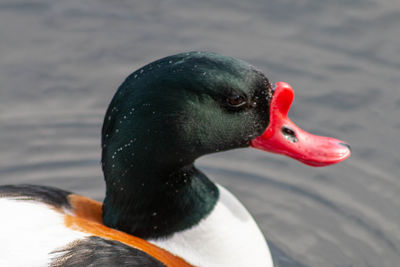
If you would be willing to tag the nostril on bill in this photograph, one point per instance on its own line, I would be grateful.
(345, 145)
(289, 134)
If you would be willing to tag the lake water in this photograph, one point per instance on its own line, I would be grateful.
(61, 62)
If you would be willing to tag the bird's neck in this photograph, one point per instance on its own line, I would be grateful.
(150, 203)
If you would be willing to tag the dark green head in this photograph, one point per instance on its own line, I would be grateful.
(181, 107)
(170, 112)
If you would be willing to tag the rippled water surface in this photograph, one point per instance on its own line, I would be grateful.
(61, 61)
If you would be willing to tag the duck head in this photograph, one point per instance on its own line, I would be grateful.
(176, 109)
(181, 107)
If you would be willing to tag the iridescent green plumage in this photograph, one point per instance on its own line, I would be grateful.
(163, 117)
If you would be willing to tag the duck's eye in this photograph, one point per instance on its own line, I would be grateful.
(236, 101)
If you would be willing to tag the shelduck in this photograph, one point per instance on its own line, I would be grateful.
(159, 209)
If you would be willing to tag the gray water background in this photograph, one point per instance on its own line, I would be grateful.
(61, 62)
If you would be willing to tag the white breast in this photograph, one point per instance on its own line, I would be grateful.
(228, 236)
(30, 232)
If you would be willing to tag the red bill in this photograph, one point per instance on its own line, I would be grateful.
(283, 136)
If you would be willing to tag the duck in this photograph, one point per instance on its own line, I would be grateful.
(159, 208)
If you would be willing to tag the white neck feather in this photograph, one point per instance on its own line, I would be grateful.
(228, 236)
